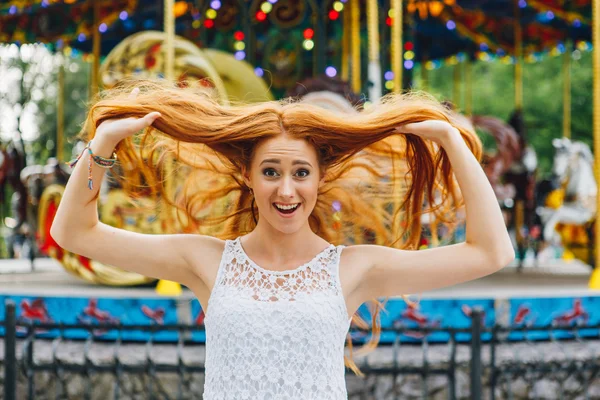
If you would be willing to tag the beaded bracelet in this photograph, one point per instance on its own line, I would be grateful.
(99, 161)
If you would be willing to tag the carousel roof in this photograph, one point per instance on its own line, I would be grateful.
(436, 28)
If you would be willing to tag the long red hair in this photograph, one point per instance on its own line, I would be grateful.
(384, 181)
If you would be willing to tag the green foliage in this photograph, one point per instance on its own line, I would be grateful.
(493, 94)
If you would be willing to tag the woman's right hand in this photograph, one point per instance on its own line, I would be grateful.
(116, 130)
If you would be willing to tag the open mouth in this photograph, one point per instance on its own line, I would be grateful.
(286, 209)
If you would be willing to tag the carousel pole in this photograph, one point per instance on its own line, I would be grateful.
(456, 85)
(374, 50)
(355, 43)
(96, 44)
(169, 27)
(396, 51)
(519, 204)
(60, 108)
(518, 57)
(165, 287)
(468, 87)
(566, 69)
(595, 278)
(347, 31)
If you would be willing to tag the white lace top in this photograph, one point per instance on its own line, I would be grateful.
(276, 334)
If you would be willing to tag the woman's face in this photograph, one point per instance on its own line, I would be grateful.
(284, 176)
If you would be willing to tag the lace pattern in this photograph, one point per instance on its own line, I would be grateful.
(276, 334)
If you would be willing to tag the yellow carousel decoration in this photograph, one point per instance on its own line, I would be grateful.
(143, 55)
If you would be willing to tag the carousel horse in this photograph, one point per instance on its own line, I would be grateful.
(570, 210)
(498, 163)
(522, 175)
(12, 162)
(142, 55)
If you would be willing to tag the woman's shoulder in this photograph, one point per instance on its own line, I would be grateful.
(205, 254)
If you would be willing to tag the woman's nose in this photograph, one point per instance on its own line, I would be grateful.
(286, 189)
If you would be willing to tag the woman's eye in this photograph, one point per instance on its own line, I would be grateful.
(270, 172)
(302, 173)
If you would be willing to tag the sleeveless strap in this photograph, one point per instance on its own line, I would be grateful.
(225, 261)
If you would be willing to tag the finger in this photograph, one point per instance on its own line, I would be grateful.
(407, 128)
(134, 93)
(146, 120)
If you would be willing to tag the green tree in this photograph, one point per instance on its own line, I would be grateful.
(493, 94)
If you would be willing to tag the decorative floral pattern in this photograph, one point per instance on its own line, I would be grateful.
(276, 334)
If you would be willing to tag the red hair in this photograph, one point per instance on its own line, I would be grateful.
(383, 180)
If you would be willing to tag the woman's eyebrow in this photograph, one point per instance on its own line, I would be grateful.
(278, 161)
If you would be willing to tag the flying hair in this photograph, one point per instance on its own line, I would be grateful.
(383, 181)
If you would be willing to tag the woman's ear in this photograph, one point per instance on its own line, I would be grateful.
(246, 176)
(322, 180)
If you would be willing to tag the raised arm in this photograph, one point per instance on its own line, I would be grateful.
(76, 227)
(487, 247)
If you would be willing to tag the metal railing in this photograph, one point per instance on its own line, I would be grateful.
(494, 361)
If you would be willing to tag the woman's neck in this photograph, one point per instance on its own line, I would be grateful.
(278, 247)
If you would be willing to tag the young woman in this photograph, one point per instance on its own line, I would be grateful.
(292, 182)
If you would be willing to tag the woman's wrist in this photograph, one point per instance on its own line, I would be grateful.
(103, 146)
(451, 137)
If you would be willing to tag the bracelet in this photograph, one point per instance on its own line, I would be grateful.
(99, 161)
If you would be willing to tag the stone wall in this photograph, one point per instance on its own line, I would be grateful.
(69, 385)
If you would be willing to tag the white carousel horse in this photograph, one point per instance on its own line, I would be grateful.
(573, 166)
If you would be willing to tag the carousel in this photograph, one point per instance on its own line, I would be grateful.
(343, 55)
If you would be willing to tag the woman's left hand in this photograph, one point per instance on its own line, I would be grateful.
(435, 130)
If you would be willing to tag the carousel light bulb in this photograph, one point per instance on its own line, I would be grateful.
(258, 71)
(239, 46)
(211, 14)
(239, 35)
(81, 37)
(266, 7)
(408, 64)
(102, 28)
(240, 55)
(522, 3)
(309, 33)
(12, 10)
(391, 13)
(389, 75)
(451, 25)
(333, 15)
(338, 6)
(550, 15)
(409, 55)
(272, 1)
(429, 65)
(389, 85)
(330, 71)
(216, 4)
(123, 15)
(308, 44)
(209, 23)
(261, 16)
(483, 46)
(196, 24)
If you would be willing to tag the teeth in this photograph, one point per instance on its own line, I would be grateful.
(282, 207)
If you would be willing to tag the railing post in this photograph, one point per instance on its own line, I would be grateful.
(476, 365)
(10, 353)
